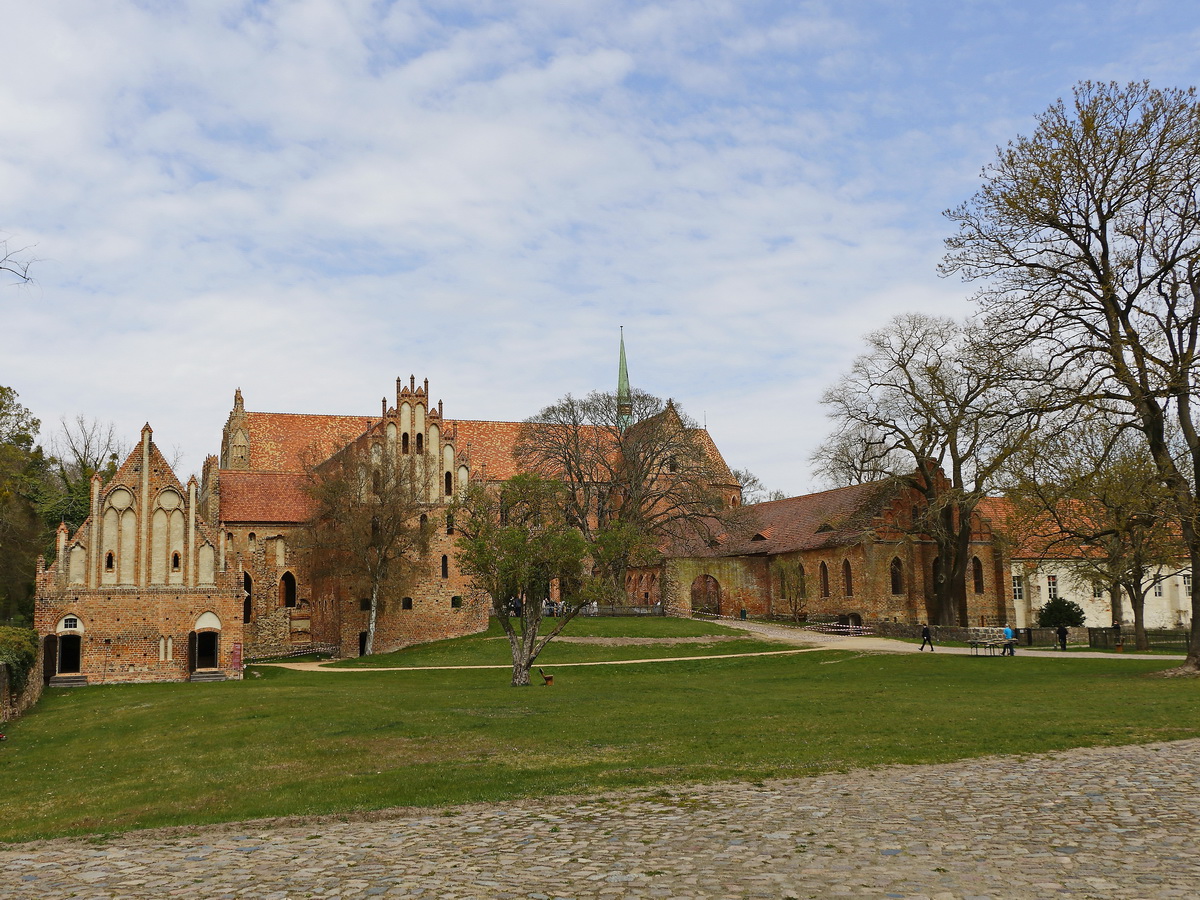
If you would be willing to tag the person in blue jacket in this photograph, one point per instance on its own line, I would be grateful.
(1010, 641)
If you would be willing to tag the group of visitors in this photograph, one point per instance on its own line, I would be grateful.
(1010, 638)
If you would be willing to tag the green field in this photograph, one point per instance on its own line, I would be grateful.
(111, 758)
(491, 647)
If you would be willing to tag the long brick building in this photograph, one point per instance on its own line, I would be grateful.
(166, 582)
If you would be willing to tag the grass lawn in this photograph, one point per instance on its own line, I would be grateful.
(491, 646)
(111, 758)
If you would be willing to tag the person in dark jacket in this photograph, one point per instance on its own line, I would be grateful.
(926, 637)
(1062, 637)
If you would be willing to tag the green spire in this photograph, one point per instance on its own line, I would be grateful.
(624, 395)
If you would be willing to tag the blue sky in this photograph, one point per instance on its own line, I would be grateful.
(308, 199)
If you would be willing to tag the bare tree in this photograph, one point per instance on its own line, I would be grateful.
(1090, 495)
(79, 449)
(16, 263)
(369, 530)
(857, 454)
(934, 398)
(635, 475)
(753, 490)
(793, 588)
(1086, 238)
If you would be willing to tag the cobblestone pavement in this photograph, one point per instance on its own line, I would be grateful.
(1100, 823)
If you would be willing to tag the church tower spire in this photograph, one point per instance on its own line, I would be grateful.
(624, 395)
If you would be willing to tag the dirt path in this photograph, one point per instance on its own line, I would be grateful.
(804, 641)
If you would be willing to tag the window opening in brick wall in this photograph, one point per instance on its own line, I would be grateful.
(445, 566)
(449, 484)
(108, 562)
(897, 571)
(449, 523)
(404, 442)
(406, 603)
(824, 580)
(455, 602)
(847, 578)
(174, 562)
(420, 444)
(364, 604)
(287, 589)
(977, 574)
(247, 596)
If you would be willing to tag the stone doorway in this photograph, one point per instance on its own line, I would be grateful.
(706, 595)
(208, 645)
(70, 654)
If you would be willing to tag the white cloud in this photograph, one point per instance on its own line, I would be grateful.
(307, 199)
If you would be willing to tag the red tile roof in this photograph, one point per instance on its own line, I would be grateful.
(283, 442)
(264, 497)
(826, 519)
(487, 444)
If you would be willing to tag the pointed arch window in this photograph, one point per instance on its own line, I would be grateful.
(449, 484)
(824, 580)
(420, 444)
(174, 562)
(445, 566)
(847, 579)
(977, 574)
(404, 442)
(108, 562)
(287, 590)
(897, 572)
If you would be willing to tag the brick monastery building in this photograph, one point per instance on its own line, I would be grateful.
(167, 582)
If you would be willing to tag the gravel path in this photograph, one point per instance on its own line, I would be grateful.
(1102, 823)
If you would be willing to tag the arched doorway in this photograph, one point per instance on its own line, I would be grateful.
(706, 595)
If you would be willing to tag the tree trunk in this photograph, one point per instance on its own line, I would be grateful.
(370, 648)
(1137, 602)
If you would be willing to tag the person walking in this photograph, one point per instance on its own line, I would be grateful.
(926, 637)
(1062, 637)
(1010, 641)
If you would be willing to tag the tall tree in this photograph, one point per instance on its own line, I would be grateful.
(638, 471)
(81, 448)
(516, 543)
(1085, 237)
(944, 412)
(1091, 496)
(369, 528)
(22, 484)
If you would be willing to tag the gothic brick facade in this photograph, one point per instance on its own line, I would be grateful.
(849, 554)
(136, 593)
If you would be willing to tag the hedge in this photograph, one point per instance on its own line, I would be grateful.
(18, 651)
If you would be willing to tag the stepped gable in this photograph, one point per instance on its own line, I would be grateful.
(487, 446)
(281, 442)
(809, 522)
(264, 497)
